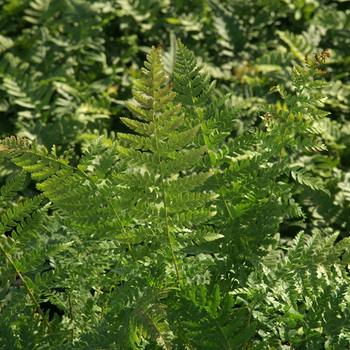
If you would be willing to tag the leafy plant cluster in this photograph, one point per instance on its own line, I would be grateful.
(170, 236)
(67, 66)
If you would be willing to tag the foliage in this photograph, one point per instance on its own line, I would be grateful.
(66, 67)
(169, 236)
(224, 224)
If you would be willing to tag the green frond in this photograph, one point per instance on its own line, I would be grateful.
(273, 61)
(36, 161)
(139, 112)
(139, 142)
(16, 215)
(136, 157)
(143, 314)
(38, 11)
(183, 200)
(293, 209)
(26, 229)
(163, 147)
(219, 328)
(170, 125)
(186, 183)
(301, 176)
(10, 189)
(178, 140)
(183, 161)
(186, 201)
(307, 144)
(194, 88)
(317, 84)
(300, 286)
(139, 127)
(148, 178)
(90, 154)
(144, 101)
(193, 217)
(297, 44)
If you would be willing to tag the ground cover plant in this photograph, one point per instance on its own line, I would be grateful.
(169, 235)
(66, 67)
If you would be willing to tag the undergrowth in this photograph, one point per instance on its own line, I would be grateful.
(168, 237)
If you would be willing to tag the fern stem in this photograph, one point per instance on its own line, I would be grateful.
(71, 335)
(29, 290)
(251, 312)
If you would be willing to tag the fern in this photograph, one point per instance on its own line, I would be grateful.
(273, 61)
(9, 190)
(19, 232)
(38, 11)
(160, 155)
(168, 237)
(301, 282)
(297, 44)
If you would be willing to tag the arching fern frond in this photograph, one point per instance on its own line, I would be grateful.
(81, 192)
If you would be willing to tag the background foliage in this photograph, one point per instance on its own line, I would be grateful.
(280, 279)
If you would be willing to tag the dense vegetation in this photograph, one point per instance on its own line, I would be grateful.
(145, 205)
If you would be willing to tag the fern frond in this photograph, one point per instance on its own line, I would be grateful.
(17, 214)
(37, 161)
(78, 191)
(10, 189)
(219, 325)
(301, 286)
(303, 178)
(37, 12)
(194, 87)
(297, 43)
(142, 314)
(161, 153)
(274, 60)
(311, 145)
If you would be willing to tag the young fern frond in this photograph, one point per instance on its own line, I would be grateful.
(194, 86)
(158, 153)
(229, 159)
(195, 91)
